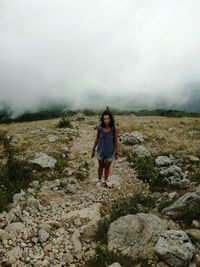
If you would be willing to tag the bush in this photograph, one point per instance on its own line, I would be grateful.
(102, 230)
(105, 257)
(15, 174)
(195, 173)
(145, 168)
(129, 205)
(64, 123)
(122, 207)
(193, 213)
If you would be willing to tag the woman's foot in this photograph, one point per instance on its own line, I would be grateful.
(103, 183)
(108, 184)
(98, 183)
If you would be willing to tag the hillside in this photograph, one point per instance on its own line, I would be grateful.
(62, 218)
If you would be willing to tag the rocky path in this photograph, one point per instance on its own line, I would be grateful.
(50, 225)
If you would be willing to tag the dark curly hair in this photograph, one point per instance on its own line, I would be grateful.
(107, 112)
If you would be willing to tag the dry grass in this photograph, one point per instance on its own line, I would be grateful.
(167, 133)
(29, 141)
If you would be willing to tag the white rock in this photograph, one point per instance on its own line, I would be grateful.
(43, 160)
(19, 196)
(15, 227)
(43, 236)
(175, 248)
(52, 138)
(115, 264)
(14, 254)
(163, 161)
(75, 240)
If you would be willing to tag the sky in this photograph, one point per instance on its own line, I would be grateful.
(89, 52)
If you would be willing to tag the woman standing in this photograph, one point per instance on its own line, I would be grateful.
(107, 146)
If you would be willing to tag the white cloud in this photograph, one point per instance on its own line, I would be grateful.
(63, 49)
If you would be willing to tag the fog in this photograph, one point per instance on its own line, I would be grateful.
(97, 53)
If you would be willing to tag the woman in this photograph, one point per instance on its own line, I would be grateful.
(107, 146)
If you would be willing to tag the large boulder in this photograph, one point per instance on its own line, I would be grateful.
(183, 205)
(173, 176)
(132, 138)
(175, 248)
(172, 171)
(136, 235)
(161, 161)
(142, 151)
(43, 160)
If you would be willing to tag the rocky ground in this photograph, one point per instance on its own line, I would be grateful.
(54, 221)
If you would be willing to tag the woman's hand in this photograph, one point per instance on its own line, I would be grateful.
(93, 153)
(116, 156)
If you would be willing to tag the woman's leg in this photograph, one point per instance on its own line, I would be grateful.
(107, 169)
(100, 169)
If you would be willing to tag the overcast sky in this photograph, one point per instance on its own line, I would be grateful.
(71, 49)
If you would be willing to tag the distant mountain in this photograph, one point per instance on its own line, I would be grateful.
(96, 101)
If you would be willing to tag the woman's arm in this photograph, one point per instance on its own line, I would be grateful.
(116, 143)
(95, 143)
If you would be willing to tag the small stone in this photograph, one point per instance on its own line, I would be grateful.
(195, 224)
(192, 158)
(52, 138)
(43, 236)
(194, 234)
(115, 264)
(34, 240)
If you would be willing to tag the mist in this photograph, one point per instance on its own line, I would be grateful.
(125, 54)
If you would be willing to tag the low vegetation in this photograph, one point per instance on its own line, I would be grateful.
(15, 174)
(64, 122)
(146, 170)
(118, 208)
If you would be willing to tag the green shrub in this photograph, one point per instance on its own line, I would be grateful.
(122, 207)
(195, 173)
(105, 257)
(61, 164)
(193, 213)
(145, 168)
(64, 122)
(102, 230)
(129, 205)
(15, 174)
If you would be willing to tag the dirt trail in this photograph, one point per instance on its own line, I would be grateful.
(122, 176)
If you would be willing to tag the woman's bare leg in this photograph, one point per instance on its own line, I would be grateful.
(100, 169)
(107, 169)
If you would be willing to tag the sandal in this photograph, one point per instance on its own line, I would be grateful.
(108, 184)
(98, 183)
(103, 183)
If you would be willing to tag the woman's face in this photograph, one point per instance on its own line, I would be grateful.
(106, 119)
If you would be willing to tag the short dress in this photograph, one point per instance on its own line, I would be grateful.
(105, 147)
